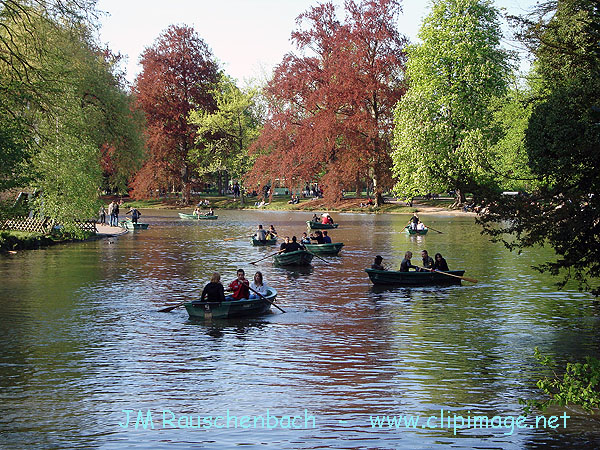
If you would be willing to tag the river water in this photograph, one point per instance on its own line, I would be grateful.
(83, 342)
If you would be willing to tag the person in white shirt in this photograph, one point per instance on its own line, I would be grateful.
(258, 285)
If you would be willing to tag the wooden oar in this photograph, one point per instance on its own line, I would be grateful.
(268, 256)
(318, 257)
(430, 228)
(266, 299)
(472, 280)
(171, 308)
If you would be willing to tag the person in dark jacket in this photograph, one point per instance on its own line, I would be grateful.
(318, 236)
(406, 264)
(440, 263)
(293, 246)
(213, 291)
(427, 260)
(377, 263)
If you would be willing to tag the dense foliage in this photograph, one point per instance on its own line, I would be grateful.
(179, 75)
(444, 124)
(562, 141)
(330, 104)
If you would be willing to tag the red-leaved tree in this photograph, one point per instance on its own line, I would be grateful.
(178, 75)
(331, 105)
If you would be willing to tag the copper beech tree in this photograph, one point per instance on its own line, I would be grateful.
(331, 104)
(178, 76)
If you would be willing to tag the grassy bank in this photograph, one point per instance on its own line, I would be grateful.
(22, 240)
(280, 203)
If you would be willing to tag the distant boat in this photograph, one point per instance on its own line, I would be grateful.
(391, 277)
(128, 224)
(235, 308)
(324, 249)
(267, 242)
(297, 258)
(195, 217)
(320, 226)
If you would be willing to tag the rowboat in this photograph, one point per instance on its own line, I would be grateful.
(267, 242)
(324, 249)
(297, 258)
(390, 277)
(236, 308)
(320, 226)
(422, 232)
(195, 217)
(128, 224)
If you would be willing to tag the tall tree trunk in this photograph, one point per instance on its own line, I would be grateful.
(185, 185)
(459, 198)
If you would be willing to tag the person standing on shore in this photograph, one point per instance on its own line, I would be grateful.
(111, 208)
(102, 214)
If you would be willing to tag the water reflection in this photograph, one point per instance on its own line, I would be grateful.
(83, 338)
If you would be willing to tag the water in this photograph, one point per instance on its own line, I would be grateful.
(83, 340)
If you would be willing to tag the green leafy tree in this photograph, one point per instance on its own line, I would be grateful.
(444, 131)
(225, 135)
(562, 141)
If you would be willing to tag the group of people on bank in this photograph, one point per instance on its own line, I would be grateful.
(428, 264)
(113, 214)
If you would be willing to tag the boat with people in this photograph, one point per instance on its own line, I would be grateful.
(418, 232)
(234, 308)
(297, 258)
(320, 226)
(197, 216)
(324, 249)
(257, 242)
(421, 278)
(129, 225)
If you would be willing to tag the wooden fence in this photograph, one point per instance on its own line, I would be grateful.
(41, 225)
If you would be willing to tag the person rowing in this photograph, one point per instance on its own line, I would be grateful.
(293, 246)
(428, 262)
(261, 234)
(405, 265)
(377, 263)
(318, 236)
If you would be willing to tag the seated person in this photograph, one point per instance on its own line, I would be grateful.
(284, 244)
(329, 219)
(210, 212)
(318, 236)
(239, 286)
(406, 264)
(377, 263)
(326, 239)
(213, 291)
(325, 218)
(259, 286)
(420, 226)
(196, 211)
(305, 239)
(315, 218)
(427, 260)
(440, 263)
(272, 232)
(261, 234)
(293, 246)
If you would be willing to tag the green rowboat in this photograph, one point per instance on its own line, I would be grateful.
(236, 308)
(324, 249)
(320, 226)
(297, 258)
(129, 225)
(410, 231)
(426, 278)
(267, 242)
(195, 217)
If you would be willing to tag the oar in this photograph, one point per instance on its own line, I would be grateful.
(268, 256)
(318, 257)
(239, 237)
(430, 228)
(472, 280)
(171, 308)
(266, 299)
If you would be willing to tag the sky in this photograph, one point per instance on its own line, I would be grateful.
(247, 37)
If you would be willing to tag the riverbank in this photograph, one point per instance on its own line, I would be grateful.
(13, 241)
(441, 206)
